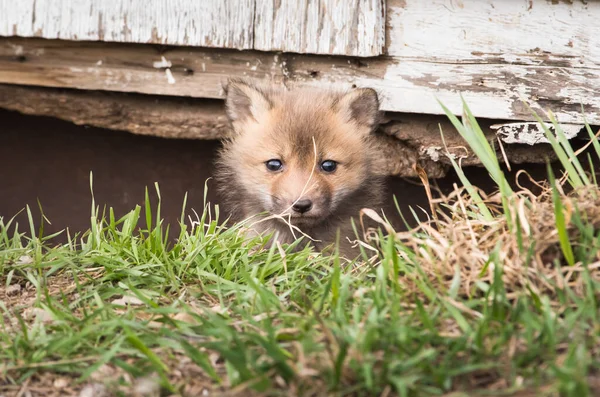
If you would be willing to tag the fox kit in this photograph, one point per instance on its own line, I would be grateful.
(303, 158)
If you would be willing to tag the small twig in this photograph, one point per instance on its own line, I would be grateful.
(584, 147)
(504, 157)
(23, 388)
(52, 363)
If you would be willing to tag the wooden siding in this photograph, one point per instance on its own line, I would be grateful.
(338, 27)
(561, 33)
(495, 53)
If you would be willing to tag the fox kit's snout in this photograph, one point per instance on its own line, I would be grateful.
(303, 157)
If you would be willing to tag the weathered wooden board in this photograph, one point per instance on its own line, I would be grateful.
(321, 27)
(502, 50)
(494, 53)
(335, 27)
(561, 33)
(490, 91)
(227, 24)
(409, 86)
(128, 67)
(532, 133)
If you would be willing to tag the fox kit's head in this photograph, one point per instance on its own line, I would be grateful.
(302, 154)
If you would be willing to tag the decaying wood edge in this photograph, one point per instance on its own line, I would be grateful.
(406, 85)
(404, 139)
(167, 117)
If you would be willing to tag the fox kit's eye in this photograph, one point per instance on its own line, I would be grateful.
(328, 165)
(274, 165)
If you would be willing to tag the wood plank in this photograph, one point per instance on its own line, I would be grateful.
(128, 67)
(524, 32)
(332, 27)
(405, 86)
(337, 27)
(490, 91)
(207, 23)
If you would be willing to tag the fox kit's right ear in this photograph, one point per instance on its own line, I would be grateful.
(360, 106)
(245, 102)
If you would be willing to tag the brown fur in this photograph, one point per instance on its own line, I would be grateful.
(273, 123)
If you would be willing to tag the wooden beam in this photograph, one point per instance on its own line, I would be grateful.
(166, 117)
(129, 67)
(408, 86)
(403, 140)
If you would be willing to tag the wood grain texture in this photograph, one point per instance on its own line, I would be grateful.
(207, 23)
(128, 67)
(496, 53)
(333, 27)
(490, 91)
(408, 86)
(523, 32)
(353, 27)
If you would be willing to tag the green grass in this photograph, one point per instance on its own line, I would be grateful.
(441, 309)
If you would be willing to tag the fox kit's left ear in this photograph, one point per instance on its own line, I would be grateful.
(360, 106)
(245, 102)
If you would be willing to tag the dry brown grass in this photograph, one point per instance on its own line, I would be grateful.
(453, 243)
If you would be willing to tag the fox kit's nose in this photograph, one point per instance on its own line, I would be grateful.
(302, 206)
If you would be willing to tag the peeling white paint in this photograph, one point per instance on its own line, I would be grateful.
(170, 78)
(302, 26)
(433, 152)
(532, 133)
(162, 64)
(18, 49)
(491, 91)
(208, 23)
(495, 53)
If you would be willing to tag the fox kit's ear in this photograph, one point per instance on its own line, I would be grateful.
(245, 102)
(360, 106)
